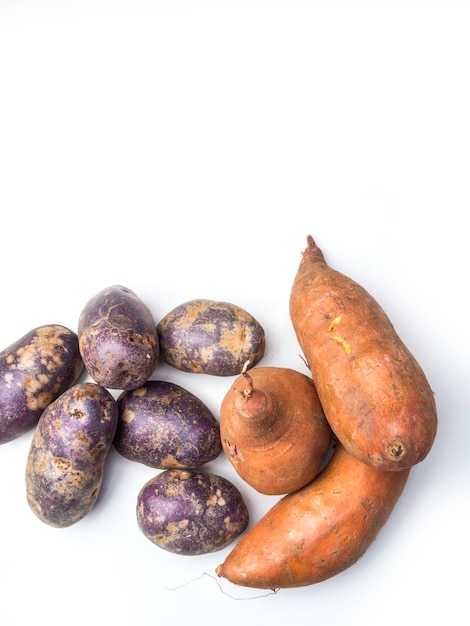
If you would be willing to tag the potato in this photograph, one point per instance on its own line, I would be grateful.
(164, 426)
(190, 512)
(66, 460)
(210, 337)
(118, 339)
(34, 371)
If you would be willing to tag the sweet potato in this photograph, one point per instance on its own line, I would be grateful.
(319, 531)
(375, 395)
(34, 371)
(118, 339)
(273, 429)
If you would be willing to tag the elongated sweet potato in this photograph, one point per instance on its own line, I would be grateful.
(374, 393)
(319, 531)
(273, 429)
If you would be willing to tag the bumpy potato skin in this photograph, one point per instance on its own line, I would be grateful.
(319, 531)
(118, 339)
(209, 337)
(163, 425)
(374, 393)
(35, 370)
(190, 512)
(65, 464)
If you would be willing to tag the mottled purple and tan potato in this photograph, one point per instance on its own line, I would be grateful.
(34, 371)
(118, 339)
(66, 460)
(209, 337)
(164, 426)
(190, 512)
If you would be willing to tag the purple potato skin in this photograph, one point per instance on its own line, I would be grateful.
(118, 339)
(34, 371)
(210, 337)
(164, 426)
(190, 512)
(66, 459)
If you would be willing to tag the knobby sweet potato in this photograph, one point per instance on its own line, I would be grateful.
(273, 429)
(319, 531)
(375, 395)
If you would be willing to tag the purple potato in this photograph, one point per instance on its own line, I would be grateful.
(164, 426)
(210, 337)
(190, 512)
(66, 459)
(118, 339)
(34, 371)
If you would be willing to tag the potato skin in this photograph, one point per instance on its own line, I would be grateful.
(164, 426)
(210, 337)
(34, 371)
(65, 464)
(375, 395)
(118, 339)
(190, 512)
(273, 429)
(319, 531)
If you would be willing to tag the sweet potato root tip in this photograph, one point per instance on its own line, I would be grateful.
(396, 450)
(246, 391)
(253, 404)
(313, 253)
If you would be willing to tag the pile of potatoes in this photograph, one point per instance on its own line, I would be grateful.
(337, 446)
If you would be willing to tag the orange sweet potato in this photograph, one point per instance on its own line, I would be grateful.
(374, 393)
(319, 531)
(273, 429)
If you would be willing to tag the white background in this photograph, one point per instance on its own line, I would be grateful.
(186, 149)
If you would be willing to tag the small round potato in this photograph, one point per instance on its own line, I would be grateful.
(118, 339)
(65, 464)
(210, 337)
(164, 426)
(34, 371)
(190, 512)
